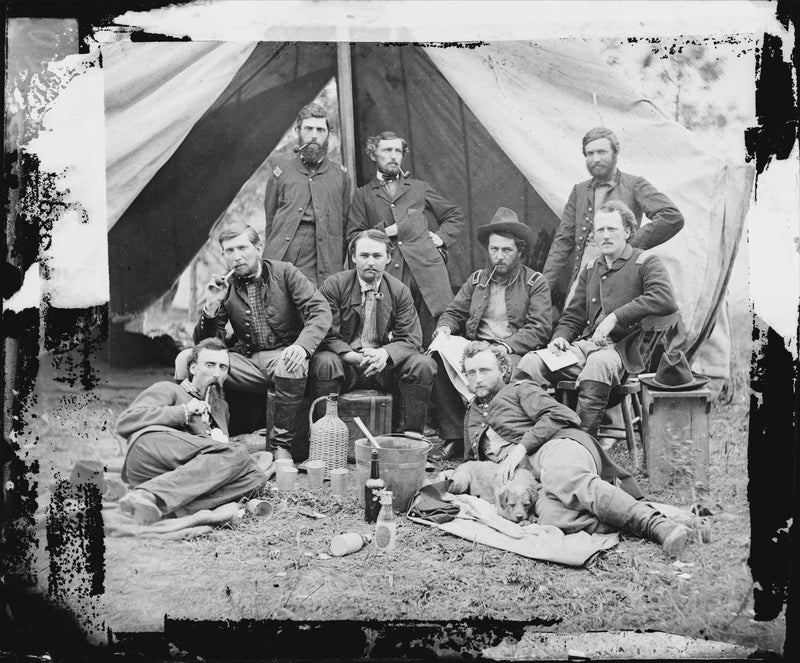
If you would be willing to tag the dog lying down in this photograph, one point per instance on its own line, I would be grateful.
(516, 501)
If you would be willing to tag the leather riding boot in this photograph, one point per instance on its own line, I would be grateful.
(592, 402)
(288, 401)
(414, 399)
(319, 388)
(451, 449)
(644, 521)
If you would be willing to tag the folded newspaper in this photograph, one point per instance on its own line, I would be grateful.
(451, 349)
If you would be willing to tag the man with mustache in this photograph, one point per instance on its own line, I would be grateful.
(572, 245)
(375, 339)
(278, 317)
(420, 223)
(179, 458)
(615, 292)
(307, 201)
(506, 304)
(582, 489)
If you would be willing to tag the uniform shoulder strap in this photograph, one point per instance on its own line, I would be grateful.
(532, 280)
(476, 277)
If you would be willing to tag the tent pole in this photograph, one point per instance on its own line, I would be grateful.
(344, 88)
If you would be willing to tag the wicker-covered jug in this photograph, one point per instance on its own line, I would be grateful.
(328, 436)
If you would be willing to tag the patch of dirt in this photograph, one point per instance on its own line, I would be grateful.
(281, 568)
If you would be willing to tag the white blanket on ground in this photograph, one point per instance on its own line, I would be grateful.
(478, 521)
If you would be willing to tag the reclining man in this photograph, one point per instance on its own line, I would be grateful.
(179, 458)
(509, 306)
(601, 325)
(520, 425)
(375, 339)
(279, 319)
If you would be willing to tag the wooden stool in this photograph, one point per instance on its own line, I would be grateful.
(375, 410)
(677, 451)
(627, 394)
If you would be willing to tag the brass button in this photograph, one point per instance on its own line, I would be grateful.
(399, 243)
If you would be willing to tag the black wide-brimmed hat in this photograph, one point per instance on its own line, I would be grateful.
(674, 373)
(505, 221)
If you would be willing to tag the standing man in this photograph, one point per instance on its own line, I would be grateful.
(572, 246)
(420, 223)
(602, 322)
(375, 337)
(278, 317)
(582, 489)
(307, 201)
(179, 458)
(507, 305)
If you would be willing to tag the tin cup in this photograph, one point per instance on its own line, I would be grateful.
(259, 508)
(316, 473)
(286, 477)
(338, 481)
(284, 462)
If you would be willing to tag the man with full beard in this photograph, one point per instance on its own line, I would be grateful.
(420, 223)
(573, 246)
(307, 201)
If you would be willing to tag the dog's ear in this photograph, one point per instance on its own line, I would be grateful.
(502, 497)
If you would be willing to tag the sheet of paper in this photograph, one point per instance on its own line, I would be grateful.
(556, 362)
(451, 348)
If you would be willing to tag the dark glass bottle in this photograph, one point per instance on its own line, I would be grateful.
(372, 489)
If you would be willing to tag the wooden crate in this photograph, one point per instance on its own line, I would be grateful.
(677, 452)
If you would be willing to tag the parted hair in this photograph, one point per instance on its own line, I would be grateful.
(312, 110)
(375, 236)
(236, 229)
(628, 217)
(601, 132)
(476, 347)
(212, 343)
(372, 142)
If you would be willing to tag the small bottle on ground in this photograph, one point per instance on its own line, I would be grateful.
(345, 544)
(386, 526)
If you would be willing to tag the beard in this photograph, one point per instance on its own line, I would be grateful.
(314, 152)
(391, 170)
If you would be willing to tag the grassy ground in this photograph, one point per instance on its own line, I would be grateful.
(280, 568)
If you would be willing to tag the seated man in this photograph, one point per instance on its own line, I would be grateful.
(520, 425)
(279, 319)
(375, 339)
(179, 458)
(602, 322)
(508, 306)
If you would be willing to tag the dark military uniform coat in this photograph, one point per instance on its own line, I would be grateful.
(290, 188)
(416, 209)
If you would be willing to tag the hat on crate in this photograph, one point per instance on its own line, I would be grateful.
(674, 373)
(506, 221)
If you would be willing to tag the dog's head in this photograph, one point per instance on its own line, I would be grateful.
(517, 500)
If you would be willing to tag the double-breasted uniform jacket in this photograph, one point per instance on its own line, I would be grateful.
(636, 285)
(160, 407)
(396, 320)
(296, 311)
(577, 222)
(416, 209)
(527, 306)
(523, 413)
(290, 188)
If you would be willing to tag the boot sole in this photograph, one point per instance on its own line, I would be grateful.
(676, 540)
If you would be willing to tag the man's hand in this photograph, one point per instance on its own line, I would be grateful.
(216, 289)
(293, 356)
(375, 360)
(196, 406)
(444, 329)
(558, 345)
(352, 357)
(510, 463)
(600, 336)
(437, 241)
(391, 231)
